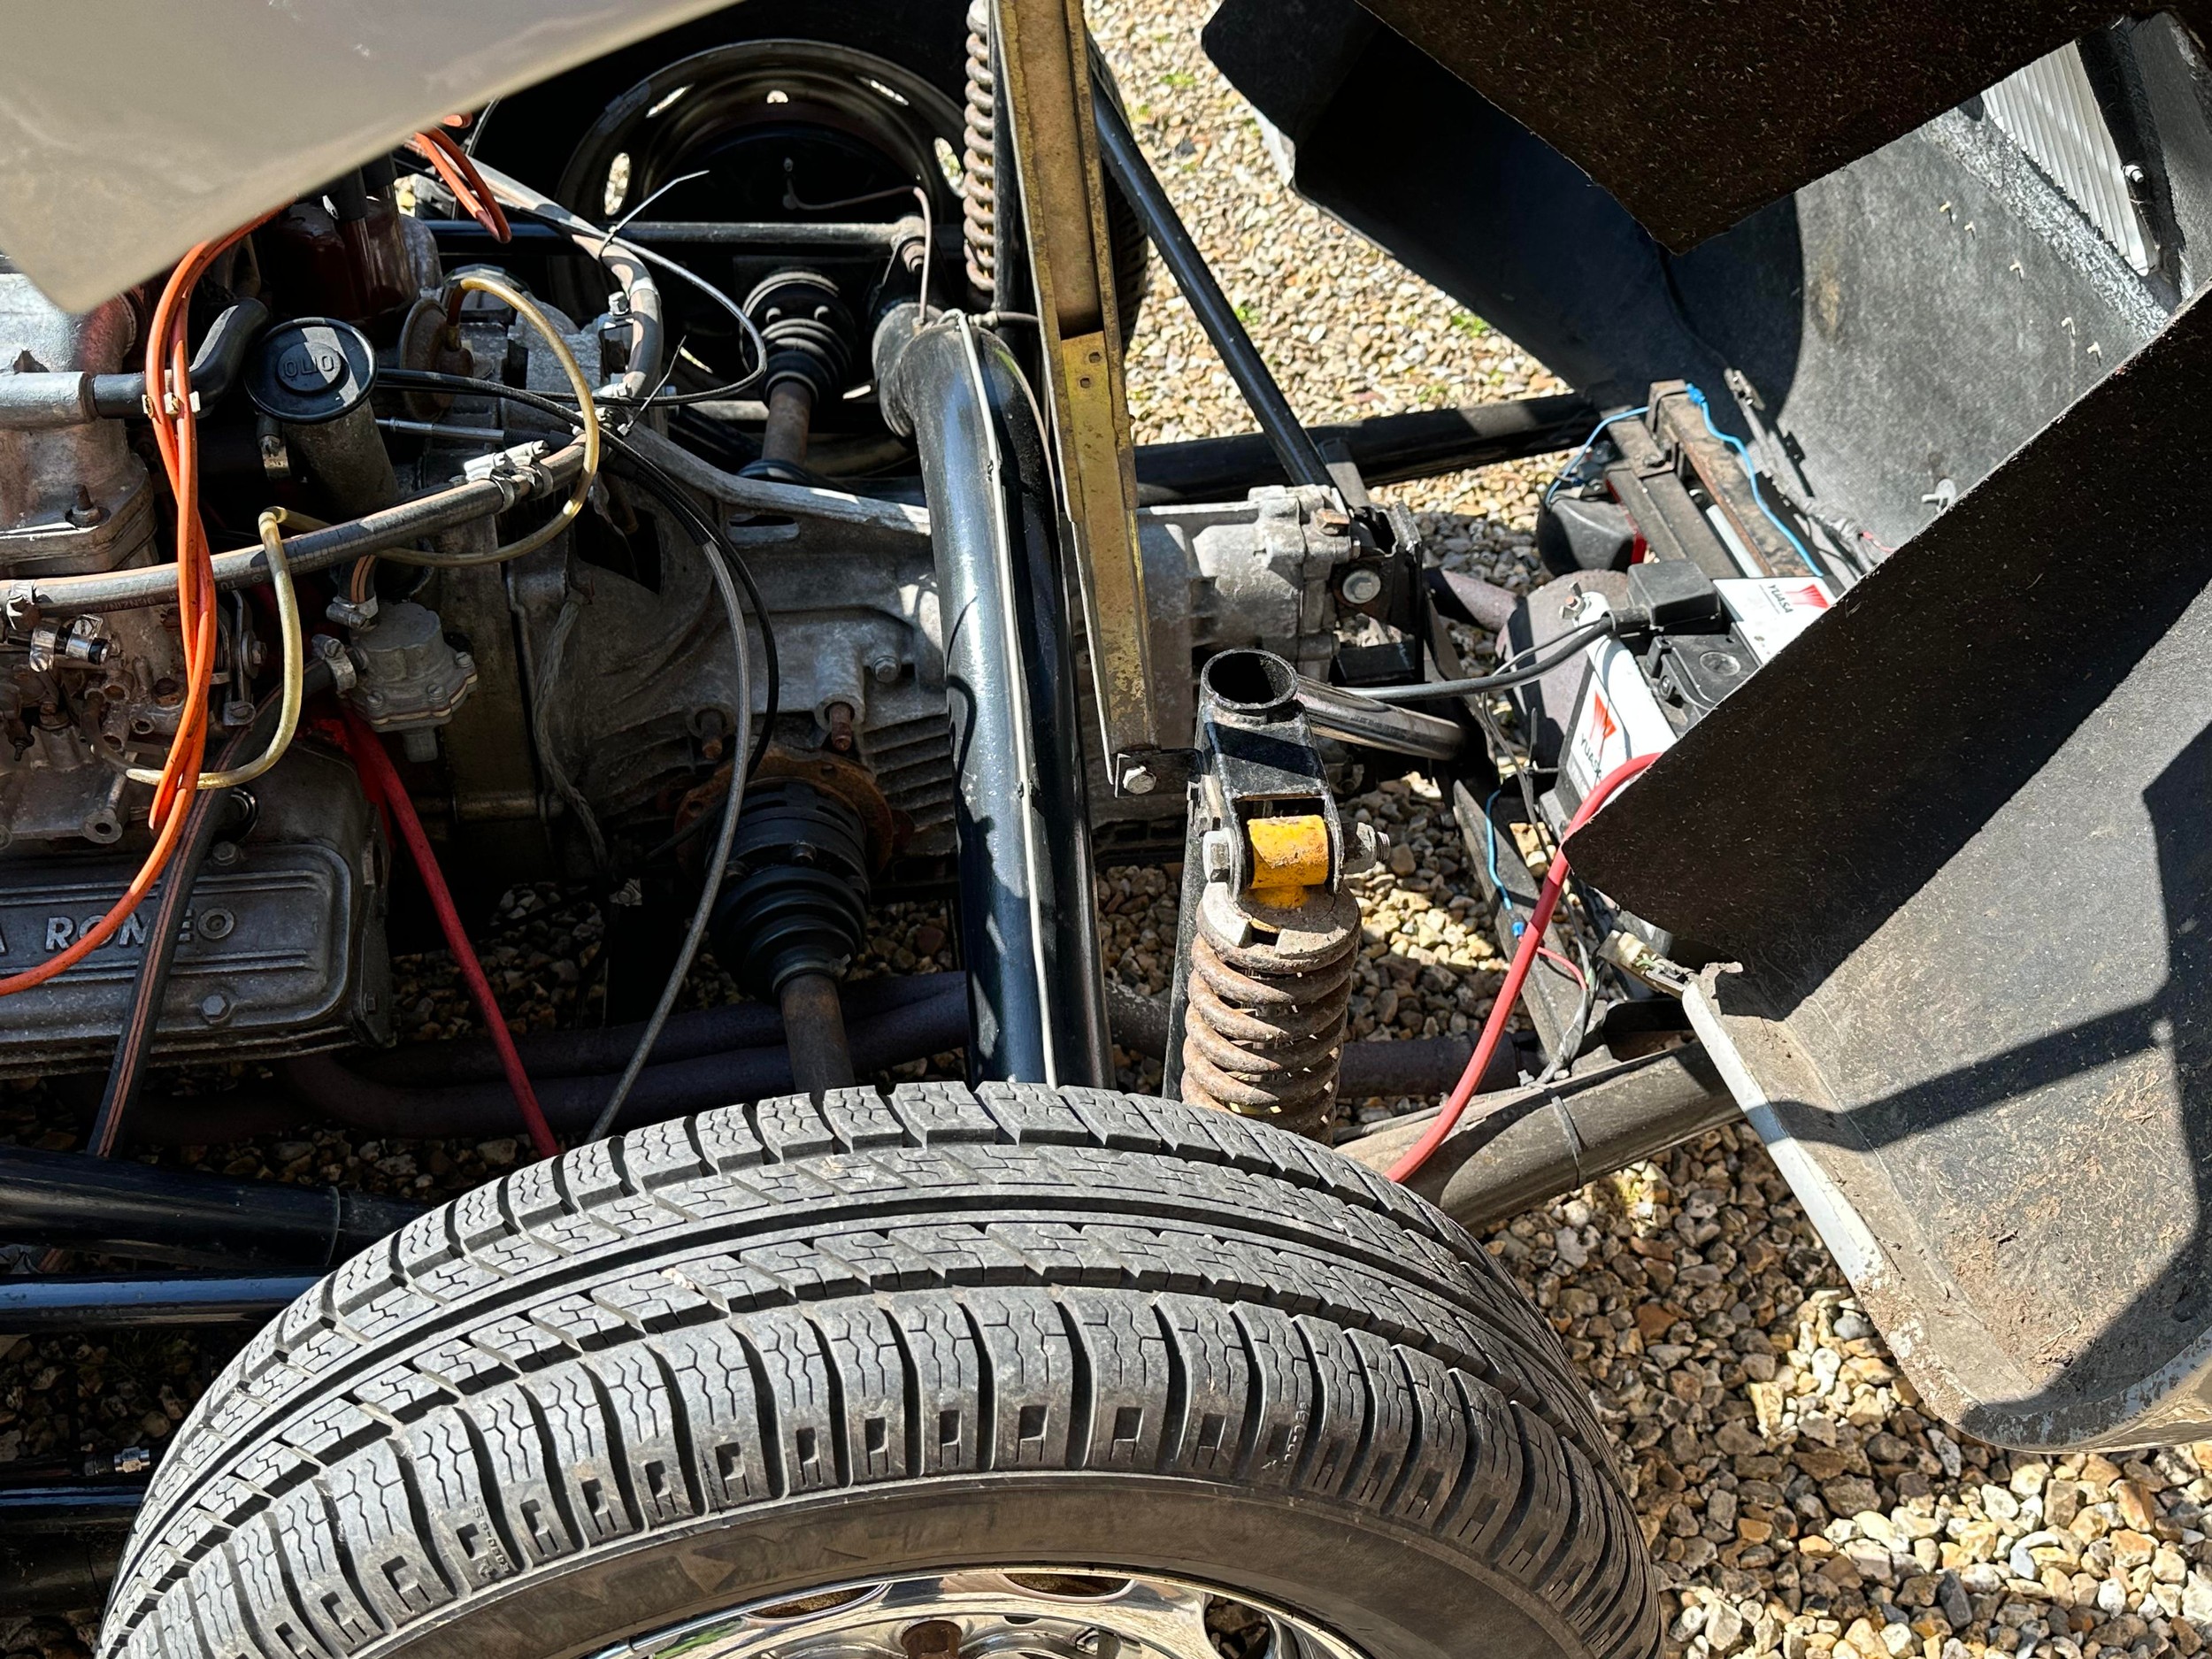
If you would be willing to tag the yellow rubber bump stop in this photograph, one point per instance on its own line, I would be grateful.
(1289, 855)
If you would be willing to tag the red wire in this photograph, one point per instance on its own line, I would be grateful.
(1515, 976)
(1563, 966)
(384, 784)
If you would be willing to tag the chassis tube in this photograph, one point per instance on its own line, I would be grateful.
(59, 1545)
(118, 1209)
(1385, 448)
(1539, 1143)
(1028, 918)
(77, 1305)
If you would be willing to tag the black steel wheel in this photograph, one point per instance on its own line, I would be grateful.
(1010, 1372)
(868, 96)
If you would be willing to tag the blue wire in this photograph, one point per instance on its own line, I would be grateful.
(1596, 431)
(1497, 880)
(1757, 495)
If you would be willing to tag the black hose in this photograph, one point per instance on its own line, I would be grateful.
(1554, 1138)
(1386, 1069)
(1478, 602)
(1385, 448)
(387, 1094)
(687, 1036)
(434, 1090)
(214, 366)
(1028, 916)
(934, 1024)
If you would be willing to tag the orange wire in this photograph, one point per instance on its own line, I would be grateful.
(455, 166)
(176, 437)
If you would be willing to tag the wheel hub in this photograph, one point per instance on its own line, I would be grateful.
(999, 1613)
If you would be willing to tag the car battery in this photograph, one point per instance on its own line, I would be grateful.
(1693, 640)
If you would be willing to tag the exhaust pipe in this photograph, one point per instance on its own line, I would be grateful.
(1028, 920)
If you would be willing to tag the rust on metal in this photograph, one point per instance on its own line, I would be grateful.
(1269, 988)
(1043, 59)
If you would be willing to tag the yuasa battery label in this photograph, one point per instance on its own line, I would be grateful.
(1616, 719)
(1770, 611)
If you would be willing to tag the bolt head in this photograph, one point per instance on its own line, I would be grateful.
(1361, 586)
(1138, 781)
(215, 1007)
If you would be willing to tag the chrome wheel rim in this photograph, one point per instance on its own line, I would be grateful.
(1000, 1613)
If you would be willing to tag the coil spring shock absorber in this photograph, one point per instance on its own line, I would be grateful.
(977, 202)
(1265, 974)
(1264, 1024)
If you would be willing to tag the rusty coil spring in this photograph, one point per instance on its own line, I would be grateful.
(1264, 1025)
(978, 211)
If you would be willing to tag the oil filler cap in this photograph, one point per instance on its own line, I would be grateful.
(310, 370)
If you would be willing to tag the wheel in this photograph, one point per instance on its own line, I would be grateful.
(881, 84)
(952, 1372)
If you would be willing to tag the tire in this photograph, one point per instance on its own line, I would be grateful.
(771, 1348)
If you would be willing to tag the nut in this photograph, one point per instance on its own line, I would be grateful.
(1217, 852)
(1366, 848)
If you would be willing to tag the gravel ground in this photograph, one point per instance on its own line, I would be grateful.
(1799, 1500)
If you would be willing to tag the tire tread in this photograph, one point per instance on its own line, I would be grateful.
(795, 1298)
